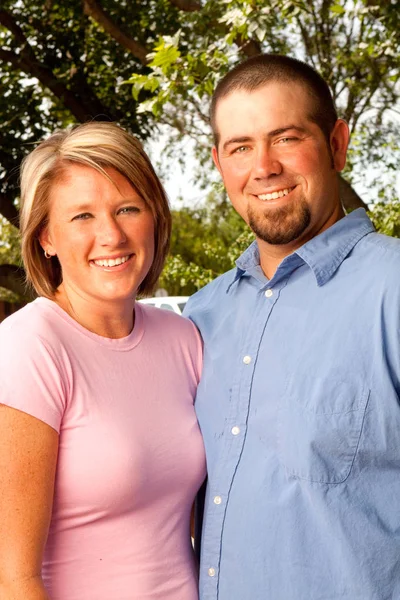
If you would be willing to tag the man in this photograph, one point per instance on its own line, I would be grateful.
(299, 399)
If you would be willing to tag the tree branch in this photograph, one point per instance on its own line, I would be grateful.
(8, 209)
(187, 5)
(249, 47)
(307, 41)
(13, 278)
(357, 114)
(9, 23)
(349, 197)
(318, 30)
(27, 62)
(93, 9)
(24, 62)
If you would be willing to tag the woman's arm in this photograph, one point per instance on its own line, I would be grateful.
(28, 458)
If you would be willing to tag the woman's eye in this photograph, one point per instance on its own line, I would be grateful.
(82, 217)
(129, 209)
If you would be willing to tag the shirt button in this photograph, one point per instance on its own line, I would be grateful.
(269, 293)
(211, 572)
(235, 430)
(247, 359)
(217, 499)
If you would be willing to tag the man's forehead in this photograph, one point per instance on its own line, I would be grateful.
(270, 89)
(275, 103)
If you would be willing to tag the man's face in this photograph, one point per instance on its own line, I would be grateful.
(277, 167)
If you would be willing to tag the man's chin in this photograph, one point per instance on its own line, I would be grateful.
(280, 234)
(280, 227)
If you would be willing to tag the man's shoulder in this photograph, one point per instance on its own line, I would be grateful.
(386, 242)
(212, 293)
(378, 248)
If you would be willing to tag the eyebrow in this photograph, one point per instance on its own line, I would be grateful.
(88, 206)
(273, 133)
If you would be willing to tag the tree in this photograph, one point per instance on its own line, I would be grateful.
(205, 242)
(59, 65)
(64, 62)
(12, 288)
(353, 44)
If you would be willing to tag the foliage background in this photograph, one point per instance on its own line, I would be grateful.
(66, 62)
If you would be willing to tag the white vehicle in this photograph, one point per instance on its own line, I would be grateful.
(174, 303)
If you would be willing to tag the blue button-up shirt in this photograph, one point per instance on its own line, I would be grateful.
(299, 409)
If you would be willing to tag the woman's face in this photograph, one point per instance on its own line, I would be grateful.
(102, 232)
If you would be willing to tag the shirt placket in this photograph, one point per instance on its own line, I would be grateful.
(234, 440)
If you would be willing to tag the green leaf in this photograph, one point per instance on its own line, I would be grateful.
(337, 9)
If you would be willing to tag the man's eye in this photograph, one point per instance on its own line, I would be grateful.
(82, 217)
(285, 140)
(240, 149)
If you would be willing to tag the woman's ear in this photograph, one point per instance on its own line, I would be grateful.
(45, 242)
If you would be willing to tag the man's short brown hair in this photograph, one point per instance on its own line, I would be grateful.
(260, 70)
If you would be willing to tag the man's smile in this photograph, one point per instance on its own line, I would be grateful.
(275, 194)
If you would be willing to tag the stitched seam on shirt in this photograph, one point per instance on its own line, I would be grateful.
(245, 435)
(341, 255)
(244, 441)
(376, 241)
(331, 483)
(352, 243)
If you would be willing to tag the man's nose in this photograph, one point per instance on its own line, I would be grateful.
(110, 232)
(266, 163)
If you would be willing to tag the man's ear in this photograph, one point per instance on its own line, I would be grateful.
(339, 141)
(214, 153)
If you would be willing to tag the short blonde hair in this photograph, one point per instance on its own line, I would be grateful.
(98, 145)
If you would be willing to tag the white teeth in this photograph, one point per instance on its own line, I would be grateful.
(275, 195)
(111, 262)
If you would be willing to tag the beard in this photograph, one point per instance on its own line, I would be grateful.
(282, 225)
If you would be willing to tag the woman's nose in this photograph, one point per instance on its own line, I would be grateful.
(110, 232)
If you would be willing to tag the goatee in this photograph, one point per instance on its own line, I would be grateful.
(282, 225)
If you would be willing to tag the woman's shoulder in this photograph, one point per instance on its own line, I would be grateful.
(26, 318)
(33, 372)
(158, 319)
(172, 338)
(33, 325)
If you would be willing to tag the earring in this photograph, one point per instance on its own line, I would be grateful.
(46, 254)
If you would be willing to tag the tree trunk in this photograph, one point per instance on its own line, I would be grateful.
(349, 197)
(8, 209)
(13, 278)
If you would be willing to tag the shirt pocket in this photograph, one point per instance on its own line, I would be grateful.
(319, 427)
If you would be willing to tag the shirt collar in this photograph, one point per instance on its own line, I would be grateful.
(323, 254)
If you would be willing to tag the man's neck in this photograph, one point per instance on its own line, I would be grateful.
(271, 255)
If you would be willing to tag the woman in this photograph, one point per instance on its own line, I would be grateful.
(100, 452)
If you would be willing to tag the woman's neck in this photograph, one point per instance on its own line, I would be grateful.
(106, 318)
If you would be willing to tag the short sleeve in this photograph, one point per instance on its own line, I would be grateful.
(30, 375)
(198, 351)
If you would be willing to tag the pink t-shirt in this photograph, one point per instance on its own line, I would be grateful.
(131, 457)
